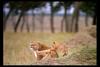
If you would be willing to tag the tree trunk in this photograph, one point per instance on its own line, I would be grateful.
(6, 18)
(52, 23)
(76, 11)
(23, 22)
(42, 24)
(13, 20)
(66, 23)
(86, 20)
(94, 17)
(42, 21)
(62, 23)
(94, 20)
(33, 23)
(72, 23)
(76, 22)
(75, 16)
(27, 25)
(18, 21)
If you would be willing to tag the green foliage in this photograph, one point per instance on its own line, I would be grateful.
(12, 4)
(88, 7)
(25, 5)
(56, 8)
(66, 4)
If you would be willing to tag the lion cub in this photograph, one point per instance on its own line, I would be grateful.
(37, 46)
(42, 51)
(59, 47)
(44, 54)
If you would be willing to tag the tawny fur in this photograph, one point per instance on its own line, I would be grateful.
(42, 51)
(49, 53)
(60, 47)
(38, 46)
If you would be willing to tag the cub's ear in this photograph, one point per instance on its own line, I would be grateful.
(54, 42)
(53, 45)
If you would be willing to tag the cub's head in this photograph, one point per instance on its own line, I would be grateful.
(34, 45)
(55, 44)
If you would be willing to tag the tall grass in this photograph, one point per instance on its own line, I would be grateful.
(16, 49)
(16, 45)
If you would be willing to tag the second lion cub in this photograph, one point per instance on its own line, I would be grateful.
(60, 48)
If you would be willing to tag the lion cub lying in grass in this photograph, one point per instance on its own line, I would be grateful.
(42, 51)
(60, 47)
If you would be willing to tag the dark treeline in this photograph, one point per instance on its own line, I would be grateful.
(88, 7)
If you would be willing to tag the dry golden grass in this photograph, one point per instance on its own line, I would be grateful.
(16, 49)
(16, 45)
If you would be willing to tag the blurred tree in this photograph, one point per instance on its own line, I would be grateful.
(42, 14)
(13, 17)
(24, 21)
(75, 16)
(86, 19)
(54, 10)
(27, 23)
(12, 6)
(52, 22)
(42, 19)
(25, 6)
(41, 4)
(77, 4)
(66, 6)
(89, 8)
(33, 20)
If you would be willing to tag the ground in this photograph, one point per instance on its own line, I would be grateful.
(16, 48)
